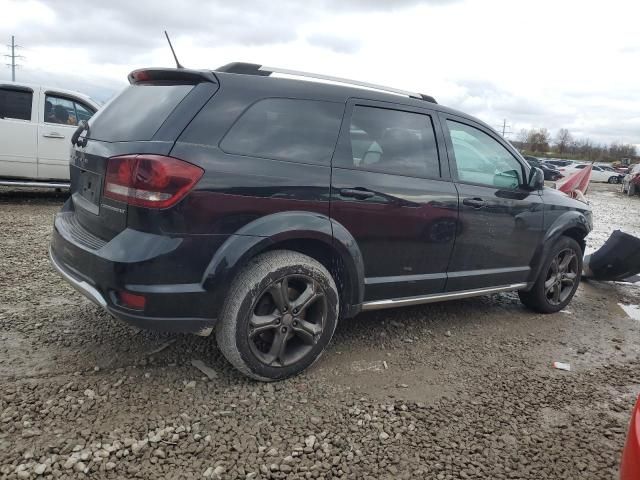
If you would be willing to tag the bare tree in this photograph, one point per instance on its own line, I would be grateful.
(538, 140)
(523, 137)
(563, 140)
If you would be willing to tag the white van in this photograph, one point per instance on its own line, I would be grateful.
(36, 125)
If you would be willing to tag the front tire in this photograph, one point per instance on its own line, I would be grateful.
(558, 279)
(279, 315)
(613, 180)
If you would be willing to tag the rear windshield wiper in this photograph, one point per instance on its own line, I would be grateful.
(75, 138)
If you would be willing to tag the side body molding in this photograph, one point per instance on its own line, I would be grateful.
(267, 232)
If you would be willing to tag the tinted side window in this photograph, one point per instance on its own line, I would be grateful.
(286, 129)
(482, 159)
(59, 110)
(83, 112)
(15, 104)
(393, 141)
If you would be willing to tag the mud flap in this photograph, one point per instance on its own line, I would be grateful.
(618, 258)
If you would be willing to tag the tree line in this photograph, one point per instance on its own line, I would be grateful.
(564, 145)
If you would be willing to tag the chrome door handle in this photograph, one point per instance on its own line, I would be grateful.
(473, 202)
(357, 193)
(53, 135)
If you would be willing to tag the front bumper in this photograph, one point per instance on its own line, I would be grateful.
(100, 271)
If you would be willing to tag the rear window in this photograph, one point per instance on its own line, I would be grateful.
(15, 104)
(286, 129)
(137, 112)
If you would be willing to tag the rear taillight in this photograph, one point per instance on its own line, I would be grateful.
(152, 181)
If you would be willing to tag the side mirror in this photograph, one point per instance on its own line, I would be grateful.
(536, 179)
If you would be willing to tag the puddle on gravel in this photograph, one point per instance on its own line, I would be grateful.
(388, 376)
(633, 311)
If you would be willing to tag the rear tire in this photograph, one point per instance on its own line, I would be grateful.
(558, 279)
(613, 180)
(279, 315)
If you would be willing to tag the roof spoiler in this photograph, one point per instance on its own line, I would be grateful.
(256, 69)
(145, 75)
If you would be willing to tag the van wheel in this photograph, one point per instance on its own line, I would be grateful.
(279, 315)
(558, 279)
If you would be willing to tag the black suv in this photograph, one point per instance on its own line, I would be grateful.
(268, 208)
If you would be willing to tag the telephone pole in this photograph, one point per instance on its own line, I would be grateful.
(13, 57)
(505, 128)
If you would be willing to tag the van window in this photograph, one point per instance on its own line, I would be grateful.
(137, 112)
(15, 104)
(393, 141)
(286, 129)
(482, 159)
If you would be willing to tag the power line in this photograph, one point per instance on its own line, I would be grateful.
(13, 57)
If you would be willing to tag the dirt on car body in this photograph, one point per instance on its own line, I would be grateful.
(463, 389)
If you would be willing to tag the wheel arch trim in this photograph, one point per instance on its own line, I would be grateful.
(265, 233)
(570, 221)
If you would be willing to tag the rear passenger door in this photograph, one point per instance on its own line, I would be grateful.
(390, 190)
(18, 132)
(501, 223)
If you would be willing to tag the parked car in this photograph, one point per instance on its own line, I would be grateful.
(268, 208)
(598, 173)
(631, 181)
(36, 124)
(559, 163)
(550, 172)
(630, 464)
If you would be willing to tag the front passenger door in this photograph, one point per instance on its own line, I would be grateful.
(60, 119)
(501, 222)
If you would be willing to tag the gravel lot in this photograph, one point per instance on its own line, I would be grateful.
(462, 389)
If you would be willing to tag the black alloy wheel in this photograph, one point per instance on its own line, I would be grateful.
(287, 321)
(561, 276)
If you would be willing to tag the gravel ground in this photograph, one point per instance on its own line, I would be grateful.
(461, 389)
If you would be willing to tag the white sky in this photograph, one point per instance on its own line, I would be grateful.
(542, 63)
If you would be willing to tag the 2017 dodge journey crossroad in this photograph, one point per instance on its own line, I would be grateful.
(267, 208)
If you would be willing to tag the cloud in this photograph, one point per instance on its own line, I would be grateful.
(124, 28)
(495, 69)
(335, 43)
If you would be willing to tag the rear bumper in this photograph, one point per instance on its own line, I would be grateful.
(201, 326)
(100, 271)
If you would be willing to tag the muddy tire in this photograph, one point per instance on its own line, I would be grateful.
(558, 279)
(279, 316)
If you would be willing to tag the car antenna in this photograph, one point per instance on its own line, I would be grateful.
(172, 50)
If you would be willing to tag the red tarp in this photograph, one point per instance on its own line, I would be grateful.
(577, 181)
(630, 466)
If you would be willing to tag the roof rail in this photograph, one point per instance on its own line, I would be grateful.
(255, 69)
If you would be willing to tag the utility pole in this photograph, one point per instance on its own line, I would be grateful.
(13, 57)
(506, 129)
